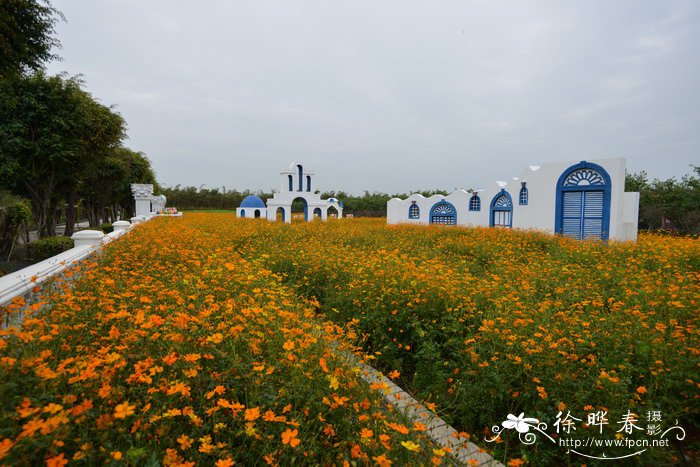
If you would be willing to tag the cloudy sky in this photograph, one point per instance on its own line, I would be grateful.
(391, 95)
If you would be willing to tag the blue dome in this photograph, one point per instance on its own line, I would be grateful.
(252, 201)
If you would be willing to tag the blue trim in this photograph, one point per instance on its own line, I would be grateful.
(320, 213)
(493, 209)
(606, 189)
(277, 211)
(308, 183)
(443, 203)
(523, 197)
(301, 178)
(417, 215)
(291, 183)
(477, 200)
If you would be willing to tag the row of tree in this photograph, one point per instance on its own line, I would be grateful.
(669, 205)
(60, 148)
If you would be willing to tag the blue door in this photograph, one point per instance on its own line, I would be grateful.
(583, 202)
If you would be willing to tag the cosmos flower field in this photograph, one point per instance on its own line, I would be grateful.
(214, 340)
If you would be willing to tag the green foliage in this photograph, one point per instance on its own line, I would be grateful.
(106, 227)
(45, 248)
(14, 213)
(26, 35)
(671, 204)
(52, 135)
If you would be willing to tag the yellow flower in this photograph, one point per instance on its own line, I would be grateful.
(411, 446)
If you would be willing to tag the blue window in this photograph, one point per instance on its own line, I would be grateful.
(414, 211)
(300, 176)
(308, 183)
(443, 213)
(583, 202)
(291, 184)
(475, 203)
(501, 210)
(522, 199)
(242, 212)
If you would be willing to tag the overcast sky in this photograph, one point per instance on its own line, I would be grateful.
(391, 95)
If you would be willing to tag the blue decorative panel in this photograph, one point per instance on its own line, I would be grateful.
(501, 210)
(475, 203)
(414, 212)
(584, 177)
(443, 213)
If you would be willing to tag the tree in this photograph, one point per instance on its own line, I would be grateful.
(51, 131)
(667, 204)
(26, 35)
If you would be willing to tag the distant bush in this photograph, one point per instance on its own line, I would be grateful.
(106, 228)
(49, 246)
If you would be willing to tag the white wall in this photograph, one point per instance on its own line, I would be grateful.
(540, 212)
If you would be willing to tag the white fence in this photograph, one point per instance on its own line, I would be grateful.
(21, 283)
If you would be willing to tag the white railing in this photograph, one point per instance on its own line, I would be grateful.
(22, 282)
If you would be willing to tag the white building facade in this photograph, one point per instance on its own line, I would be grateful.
(585, 199)
(296, 184)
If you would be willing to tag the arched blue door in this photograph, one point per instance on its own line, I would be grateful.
(443, 213)
(501, 210)
(583, 202)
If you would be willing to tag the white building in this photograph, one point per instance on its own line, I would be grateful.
(252, 206)
(296, 184)
(584, 199)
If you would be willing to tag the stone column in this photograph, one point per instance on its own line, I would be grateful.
(121, 225)
(143, 193)
(87, 237)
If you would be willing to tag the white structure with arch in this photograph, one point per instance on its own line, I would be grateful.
(296, 183)
(584, 199)
(252, 206)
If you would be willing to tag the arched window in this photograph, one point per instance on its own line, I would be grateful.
(443, 213)
(291, 182)
(583, 202)
(301, 178)
(522, 199)
(242, 212)
(475, 203)
(257, 213)
(501, 210)
(308, 183)
(413, 211)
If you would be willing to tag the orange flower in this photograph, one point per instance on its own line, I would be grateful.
(382, 461)
(57, 461)
(289, 437)
(641, 390)
(251, 414)
(398, 427)
(224, 462)
(124, 410)
(366, 433)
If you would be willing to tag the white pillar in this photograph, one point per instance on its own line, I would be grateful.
(121, 225)
(88, 237)
(143, 193)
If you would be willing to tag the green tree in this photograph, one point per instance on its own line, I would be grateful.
(51, 134)
(26, 35)
(668, 204)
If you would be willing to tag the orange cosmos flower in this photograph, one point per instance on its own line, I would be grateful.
(289, 437)
(124, 410)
